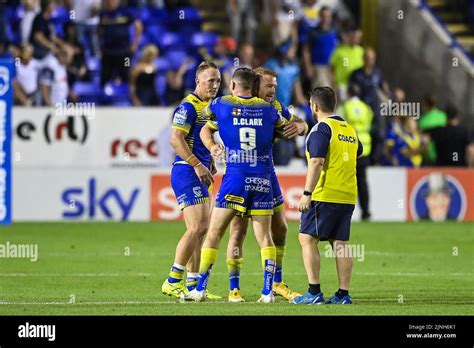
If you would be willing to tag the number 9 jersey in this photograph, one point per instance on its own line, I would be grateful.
(246, 126)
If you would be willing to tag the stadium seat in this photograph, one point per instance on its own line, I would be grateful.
(116, 94)
(176, 58)
(154, 31)
(170, 40)
(161, 88)
(88, 92)
(162, 64)
(204, 39)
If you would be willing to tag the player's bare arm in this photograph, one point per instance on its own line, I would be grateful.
(315, 167)
(178, 142)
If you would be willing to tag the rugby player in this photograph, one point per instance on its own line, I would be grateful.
(191, 178)
(266, 89)
(246, 125)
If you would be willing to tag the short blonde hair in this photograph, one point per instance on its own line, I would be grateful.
(260, 71)
(204, 66)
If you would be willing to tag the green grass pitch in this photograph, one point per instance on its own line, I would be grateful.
(118, 269)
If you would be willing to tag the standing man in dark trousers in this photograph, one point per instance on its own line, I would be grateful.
(360, 116)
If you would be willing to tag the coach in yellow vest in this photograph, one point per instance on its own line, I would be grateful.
(329, 196)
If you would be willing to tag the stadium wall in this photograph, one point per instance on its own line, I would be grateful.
(114, 165)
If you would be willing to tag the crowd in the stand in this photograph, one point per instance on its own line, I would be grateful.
(144, 53)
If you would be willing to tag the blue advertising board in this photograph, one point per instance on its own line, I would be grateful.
(6, 100)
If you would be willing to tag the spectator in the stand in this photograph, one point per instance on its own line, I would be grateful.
(86, 17)
(142, 78)
(238, 11)
(346, 58)
(43, 37)
(53, 80)
(369, 79)
(117, 48)
(373, 90)
(176, 91)
(360, 116)
(318, 49)
(431, 117)
(408, 143)
(3, 27)
(451, 141)
(393, 127)
(285, 18)
(246, 56)
(289, 82)
(26, 82)
(77, 70)
(32, 8)
(311, 13)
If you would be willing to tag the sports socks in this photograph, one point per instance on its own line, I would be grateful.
(208, 258)
(233, 268)
(314, 289)
(268, 255)
(341, 293)
(280, 254)
(176, 273)
(192, 280)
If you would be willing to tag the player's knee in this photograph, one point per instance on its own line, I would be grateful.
(198, 231)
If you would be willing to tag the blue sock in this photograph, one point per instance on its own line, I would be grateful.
(278, 275)
(234, 282)
(268, 277)
(203, 279)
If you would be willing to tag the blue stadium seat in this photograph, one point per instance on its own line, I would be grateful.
(161, 86)
(170, 40)
(162, 64)
(116, 94)
(154, 32)
(204, 39)
(87, 92)
(176, 58)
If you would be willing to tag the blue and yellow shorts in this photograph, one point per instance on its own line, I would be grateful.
(187, 187)
(249, 194)
(278, 201)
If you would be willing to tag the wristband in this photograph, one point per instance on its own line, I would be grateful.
(306, 193)
(193, 160)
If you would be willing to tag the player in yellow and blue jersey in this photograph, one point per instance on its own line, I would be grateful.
(329, 196)
(238, 228)
(246, 126)
(191, 178)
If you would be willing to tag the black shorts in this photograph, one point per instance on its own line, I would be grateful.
(327, 221)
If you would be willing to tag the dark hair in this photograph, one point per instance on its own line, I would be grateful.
(245, 77)
(430, 101)
(45, 4)
(452, 112)
(325, 98)
(353, 90)
(204, 66)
